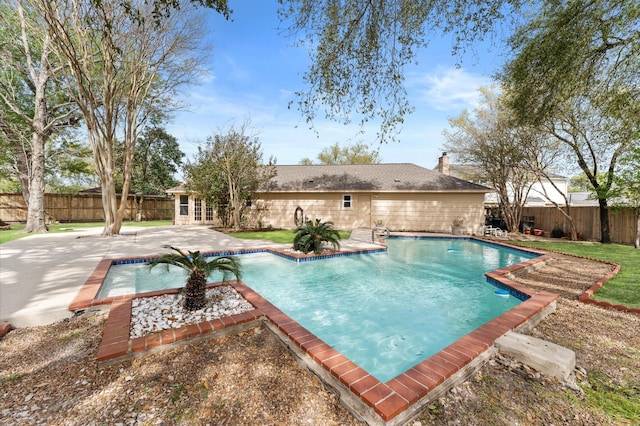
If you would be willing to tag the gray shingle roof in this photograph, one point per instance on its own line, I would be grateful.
(367, 177)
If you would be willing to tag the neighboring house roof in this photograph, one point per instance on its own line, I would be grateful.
(367, 177)
(474, 173)
(394, 177)
(535, 200)
(582, 198)
(176, 189)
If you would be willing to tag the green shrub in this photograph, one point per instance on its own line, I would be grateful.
(312, 235)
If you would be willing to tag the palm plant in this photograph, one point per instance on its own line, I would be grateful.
(312, 235)
(199, 268)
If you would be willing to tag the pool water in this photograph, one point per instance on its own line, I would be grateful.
(387, 311)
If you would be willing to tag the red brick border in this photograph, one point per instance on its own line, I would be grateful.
(393, 397)
(586, 296)
(387, 400)
(5, 327)
(86, 296)
(116, 346)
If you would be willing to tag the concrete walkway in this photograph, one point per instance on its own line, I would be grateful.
(42, 273)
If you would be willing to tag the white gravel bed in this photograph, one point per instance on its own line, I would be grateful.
(151, 314)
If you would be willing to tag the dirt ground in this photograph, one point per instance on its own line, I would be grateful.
(48, 375)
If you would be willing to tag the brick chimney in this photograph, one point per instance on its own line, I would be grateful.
(443, 164)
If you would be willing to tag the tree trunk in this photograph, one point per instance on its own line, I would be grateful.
(195, 291)
(112, 223)
(637, 240)
(35, 205)
(605, 237)
(138, 203)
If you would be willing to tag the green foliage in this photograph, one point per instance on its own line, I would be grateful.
(359, 50)
(156, 160)
(620, 402)
(626, 189)
(10, 378)
(500, 149)
(176, 392)
(313, 235)
(568, 48)
(69, 165)
(227, 170)
(358, 153)
(164, 8)
(199, 268)
(575, 74)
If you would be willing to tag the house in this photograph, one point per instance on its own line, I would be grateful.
(541, 194)
(401, 197)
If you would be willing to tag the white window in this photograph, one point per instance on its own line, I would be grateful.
(347, 201)
(184, 205)
(209, 212)
(197, 211)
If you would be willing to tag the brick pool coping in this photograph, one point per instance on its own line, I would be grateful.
(87, 295)
(585, 297)
(380, 402)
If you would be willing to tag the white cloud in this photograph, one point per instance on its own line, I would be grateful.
(448, 89)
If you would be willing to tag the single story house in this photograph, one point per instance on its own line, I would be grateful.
(401, 197)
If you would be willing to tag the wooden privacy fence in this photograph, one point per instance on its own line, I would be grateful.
(622, 223)
(83, 207)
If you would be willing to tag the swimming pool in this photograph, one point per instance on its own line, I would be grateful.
(385, 311)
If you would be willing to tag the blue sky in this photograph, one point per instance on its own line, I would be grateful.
(254, 73)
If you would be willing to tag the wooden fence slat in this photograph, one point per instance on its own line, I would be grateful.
(587, 220)
(82, 208)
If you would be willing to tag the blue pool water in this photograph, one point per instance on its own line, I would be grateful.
(387, 311)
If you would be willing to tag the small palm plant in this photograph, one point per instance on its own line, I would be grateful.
(199, 268)
(312, 235)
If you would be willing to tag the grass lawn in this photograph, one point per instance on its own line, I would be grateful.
(624, 288)
(282, 236)
(14, 233)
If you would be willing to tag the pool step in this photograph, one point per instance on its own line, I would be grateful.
(546, 357)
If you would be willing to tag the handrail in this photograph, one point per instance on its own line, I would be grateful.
(380, 232)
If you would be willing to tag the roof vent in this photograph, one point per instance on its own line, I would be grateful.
(396, 180)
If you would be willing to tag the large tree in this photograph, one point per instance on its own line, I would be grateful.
(357, 153)
(69, 164)
(123, 62)
(359, 50)
(489, 140)
(32, 105)
(155, 163)
(228, 170)
(575, 73)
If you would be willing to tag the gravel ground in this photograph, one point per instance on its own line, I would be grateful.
(48, 375)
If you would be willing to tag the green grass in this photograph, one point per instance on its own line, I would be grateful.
(620, 402)
(624, 288)
(282, 236)
(15, 233)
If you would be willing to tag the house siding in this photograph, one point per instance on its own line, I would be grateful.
(402, 197)
(431, 212)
